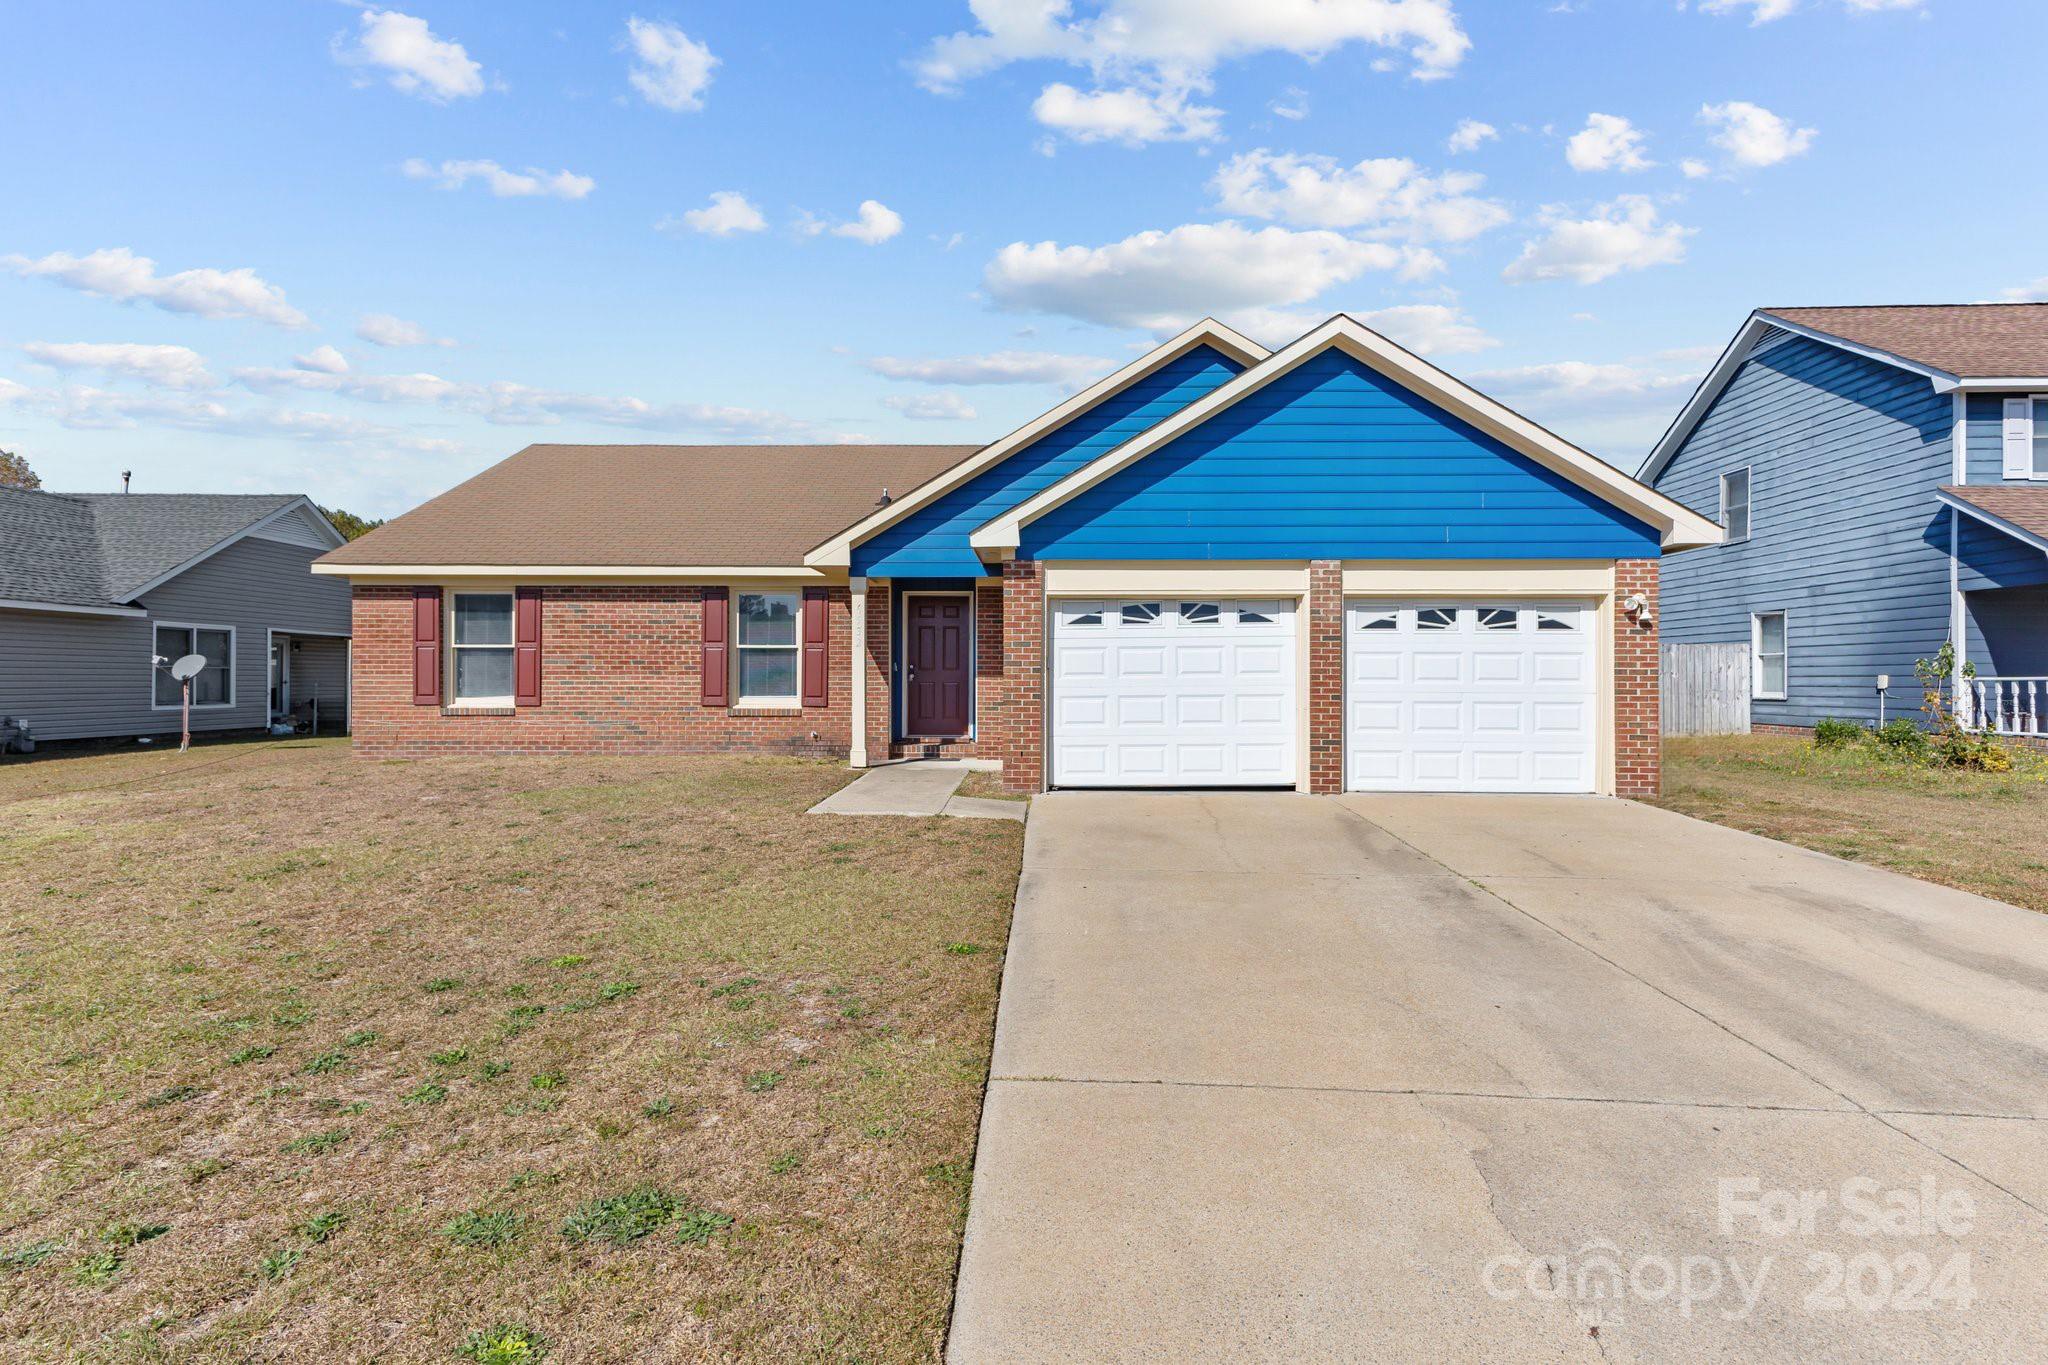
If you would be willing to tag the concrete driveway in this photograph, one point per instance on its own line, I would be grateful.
(1284, 1077)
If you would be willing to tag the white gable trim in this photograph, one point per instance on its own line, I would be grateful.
(1682, 528)
(334, 537)
(838, 551)
(1745, 345)
(1971, 509)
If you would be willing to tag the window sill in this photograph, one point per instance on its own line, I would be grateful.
(495, 708)
(748, 707)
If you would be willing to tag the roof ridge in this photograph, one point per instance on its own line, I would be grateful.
(1875, 307)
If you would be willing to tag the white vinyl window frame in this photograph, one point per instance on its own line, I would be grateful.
(793, 699)
(192, 629)
(1744, 504)
(1757, 654)
(2037, 416)
(456, 648)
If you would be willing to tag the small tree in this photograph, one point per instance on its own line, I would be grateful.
(349, 524)
(1955, 744)
(15, 473)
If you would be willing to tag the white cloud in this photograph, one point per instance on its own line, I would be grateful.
(1752, 135)
(382, 329)
(1130, 115)
(1762, 11)
(510, 404)
(998, 367)
(1292, 104)
(1163, 281)
(325, 359)
(2034, 291)
(671, 70)
(1469, 134)
(1695, 169)
(729, 212)
(1179, 42)
(1390, 195)
(118, 273)
(528, 184)
(167, 367)
(930, 407)
(411, 57)
(1608, 142)
(82, 407)
(876, 224)
(1429, 329)
(1625, 234)
(388, 330)
(1618, 407)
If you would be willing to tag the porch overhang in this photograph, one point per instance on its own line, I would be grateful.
(2021, 513)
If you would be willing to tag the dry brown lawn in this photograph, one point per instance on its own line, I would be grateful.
(309, 1058)
(1981, 832)
(988, 786)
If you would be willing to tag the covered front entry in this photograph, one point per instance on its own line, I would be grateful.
(1171, 692)
(1462, 697)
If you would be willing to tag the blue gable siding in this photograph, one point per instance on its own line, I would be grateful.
(1334, 461)
(1846, 536)
(1987, 557)
(932, 542)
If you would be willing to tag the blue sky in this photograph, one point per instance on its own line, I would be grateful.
(207, 202)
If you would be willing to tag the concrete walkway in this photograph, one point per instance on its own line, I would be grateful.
(1283, 1078)
(919, 787)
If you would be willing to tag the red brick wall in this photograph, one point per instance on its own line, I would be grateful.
(879, 726)
(1013, 730)
(1325, 626)
(1638, 738)
(620, 673)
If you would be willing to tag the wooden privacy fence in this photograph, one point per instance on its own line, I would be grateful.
(1705, 689)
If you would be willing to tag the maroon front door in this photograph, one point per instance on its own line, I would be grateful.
(938, 666)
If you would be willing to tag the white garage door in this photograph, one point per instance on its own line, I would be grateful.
(1173, 692)
(1448, 696)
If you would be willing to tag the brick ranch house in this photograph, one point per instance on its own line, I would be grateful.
(1329, 567)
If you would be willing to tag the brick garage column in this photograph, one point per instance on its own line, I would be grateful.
(988, 665)
(1325, 627)
(1019, 739)
(1638, 738)
(881, 705)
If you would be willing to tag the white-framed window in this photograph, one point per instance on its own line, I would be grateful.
(1768, 655)
(1735, 504)
(480, 643)
(2039, 463)
(215, 685)
(765, 658)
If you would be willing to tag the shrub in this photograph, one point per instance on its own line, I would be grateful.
(1829, 733)
(1903, 738)
(1965, 749)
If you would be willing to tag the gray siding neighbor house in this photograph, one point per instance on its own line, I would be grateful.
(1883, 475)
(93, 586)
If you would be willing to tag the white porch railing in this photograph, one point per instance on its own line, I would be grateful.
(2005, 706)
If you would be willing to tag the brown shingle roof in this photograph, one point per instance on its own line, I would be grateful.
(652, 505)
(2026, 508)
(1970, 340)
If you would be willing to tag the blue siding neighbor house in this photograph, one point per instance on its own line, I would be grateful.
(1883, 477)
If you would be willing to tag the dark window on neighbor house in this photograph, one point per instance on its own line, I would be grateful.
(215, 685)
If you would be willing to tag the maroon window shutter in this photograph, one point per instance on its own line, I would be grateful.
(426, 646)
(526, 646)
(717, 647)
(816, 660)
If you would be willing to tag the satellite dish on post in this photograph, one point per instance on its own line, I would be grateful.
(188, 666)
